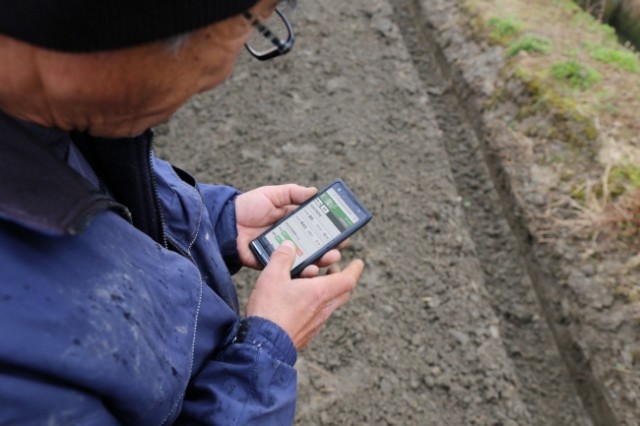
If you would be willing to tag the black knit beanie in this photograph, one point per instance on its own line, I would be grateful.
(97, 25)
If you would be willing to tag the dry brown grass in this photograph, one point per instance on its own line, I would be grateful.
(623, 216)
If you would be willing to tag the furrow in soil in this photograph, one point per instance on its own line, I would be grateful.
(545, 384)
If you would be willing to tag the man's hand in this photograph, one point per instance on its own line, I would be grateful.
(300, 306)
(258, 209)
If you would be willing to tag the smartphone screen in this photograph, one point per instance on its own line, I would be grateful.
(317, 226)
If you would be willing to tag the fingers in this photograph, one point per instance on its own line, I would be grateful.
(337, 282)
(332, 256)
(333, 269)
(281, 259)
(329, 258)
(310, 271)
(354, 270)
(344, 244)
(336, 291)
(288, 209)
(300, 194)
(302, 305)
(283, 195)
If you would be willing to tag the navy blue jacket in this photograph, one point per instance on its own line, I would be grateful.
(116, 299)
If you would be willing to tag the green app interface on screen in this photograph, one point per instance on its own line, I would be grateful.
(314, 225)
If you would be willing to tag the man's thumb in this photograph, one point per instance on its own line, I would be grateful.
(284, 256)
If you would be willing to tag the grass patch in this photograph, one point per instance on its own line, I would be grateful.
(531, 44)
(581, 18)
(575, 74)
(624, 178)
(504, 29)
(581, 89)
(569, 120)
(622, 59)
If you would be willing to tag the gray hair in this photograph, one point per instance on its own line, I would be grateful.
(175, 43)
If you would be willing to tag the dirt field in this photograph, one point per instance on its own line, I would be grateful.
(447, 326)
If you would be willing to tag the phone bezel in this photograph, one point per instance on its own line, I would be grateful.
(263, 256)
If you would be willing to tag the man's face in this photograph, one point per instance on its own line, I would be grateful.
(123, 92)
(205, 60)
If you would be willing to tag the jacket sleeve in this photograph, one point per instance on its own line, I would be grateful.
(250, 381)
(220, 202)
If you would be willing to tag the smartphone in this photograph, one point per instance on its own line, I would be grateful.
(317, 226)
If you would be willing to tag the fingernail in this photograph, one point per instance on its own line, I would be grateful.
(287, 244)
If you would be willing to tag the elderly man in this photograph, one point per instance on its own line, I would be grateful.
(116, 299)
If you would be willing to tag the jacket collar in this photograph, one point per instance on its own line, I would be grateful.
(38, 190)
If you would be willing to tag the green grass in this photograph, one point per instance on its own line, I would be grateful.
(504, 29)
(609, 108)
(607, 30)
(575, 74)
(580, 17)
(624, 178)
(530, 43)
(620, 58)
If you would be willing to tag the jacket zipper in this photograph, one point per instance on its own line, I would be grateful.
(156, 195)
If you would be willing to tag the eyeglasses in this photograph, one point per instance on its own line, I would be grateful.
(275, 46)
